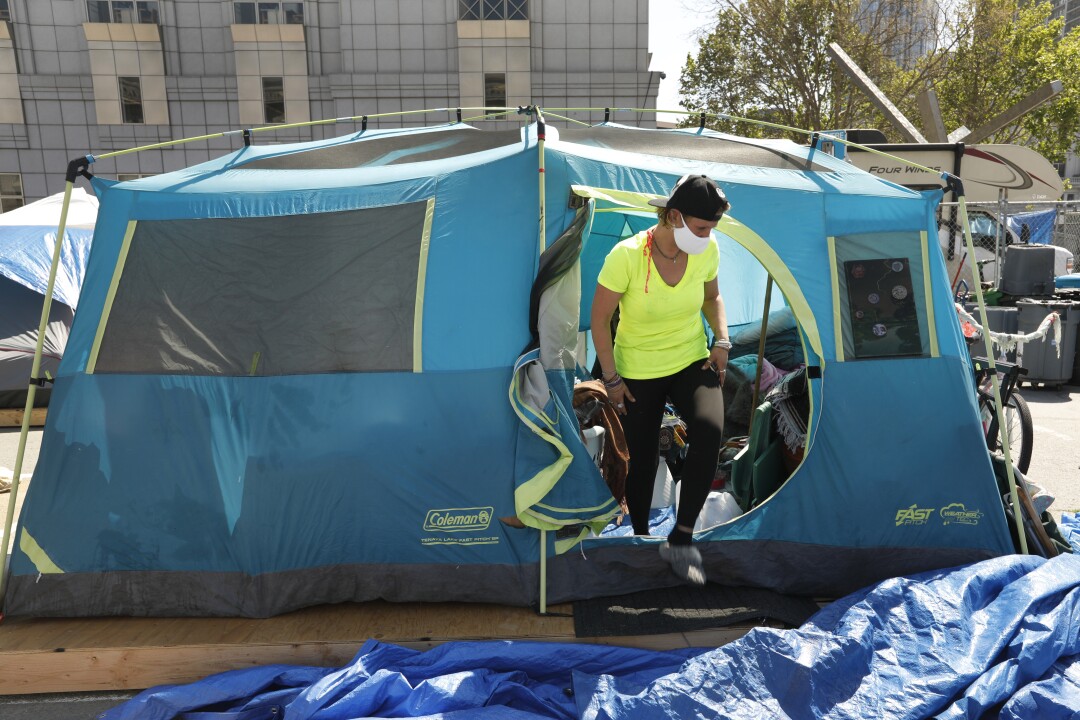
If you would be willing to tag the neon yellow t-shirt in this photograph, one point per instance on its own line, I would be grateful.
(661, 331)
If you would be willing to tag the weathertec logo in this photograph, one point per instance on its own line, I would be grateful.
(458, 519)
(913, 515)
(958, 513)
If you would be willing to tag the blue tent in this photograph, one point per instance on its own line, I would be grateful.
(27, 244)
(341, 370)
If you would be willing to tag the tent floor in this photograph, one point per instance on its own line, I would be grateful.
(53, 655)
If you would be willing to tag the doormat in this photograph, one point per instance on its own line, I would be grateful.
(686, 608)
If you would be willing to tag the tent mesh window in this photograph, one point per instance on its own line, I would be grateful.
(298, 294)
(882, 296)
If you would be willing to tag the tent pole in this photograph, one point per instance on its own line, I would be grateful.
(761, 345)
(1018, 513)
(35, 381)
(541, 133)
(543, 572)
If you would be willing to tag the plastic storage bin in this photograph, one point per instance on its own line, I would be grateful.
(1029, 270)
(1040, 357)
(1067, 282)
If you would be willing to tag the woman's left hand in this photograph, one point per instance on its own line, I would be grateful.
(717, 362)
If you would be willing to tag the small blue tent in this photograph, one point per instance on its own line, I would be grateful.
(341, 370)
(27, 244)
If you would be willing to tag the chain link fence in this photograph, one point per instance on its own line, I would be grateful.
(1067, 227)
(995, 226)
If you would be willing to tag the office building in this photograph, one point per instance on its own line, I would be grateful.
(95, 76)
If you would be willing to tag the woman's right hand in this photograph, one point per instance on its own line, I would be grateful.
(619, 396)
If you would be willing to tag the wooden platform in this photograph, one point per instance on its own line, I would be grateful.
(71, 655)
(12, 417)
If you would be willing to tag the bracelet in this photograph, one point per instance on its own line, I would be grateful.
(613, 383)
(721, 343)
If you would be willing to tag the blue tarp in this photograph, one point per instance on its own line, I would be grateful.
(1040, 225)
(997, 639)
(26, 258)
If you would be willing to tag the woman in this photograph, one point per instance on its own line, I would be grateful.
(662, 280)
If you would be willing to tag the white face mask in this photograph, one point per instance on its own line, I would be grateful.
(688, 242)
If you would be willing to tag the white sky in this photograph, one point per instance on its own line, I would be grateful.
(672, 27)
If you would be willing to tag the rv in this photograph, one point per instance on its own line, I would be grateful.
(990, 173)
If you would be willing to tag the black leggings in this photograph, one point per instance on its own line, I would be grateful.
(697, 396)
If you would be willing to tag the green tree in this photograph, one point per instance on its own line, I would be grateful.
(1006, 51)
(768, 60)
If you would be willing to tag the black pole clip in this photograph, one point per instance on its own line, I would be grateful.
(607, 114)
(248, 137)
(459, 114)
(953, 183)
(701, 122)
(363, 124)
(79, 166)
(41, 381)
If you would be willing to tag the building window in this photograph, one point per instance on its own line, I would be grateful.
(268, 13)
(131, 100)
(123, 11)
(11, 192)
(494, 90)
(493, 9)
(5, 11)
(273, 99)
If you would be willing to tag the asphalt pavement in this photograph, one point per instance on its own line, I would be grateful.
(1055, 459)
(1055, 465)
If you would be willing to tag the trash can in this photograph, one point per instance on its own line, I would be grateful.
(1029, 270)
(1076, 371)
(1001, 320)
(1040, 357)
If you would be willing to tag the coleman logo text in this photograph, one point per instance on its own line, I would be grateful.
(458, 519)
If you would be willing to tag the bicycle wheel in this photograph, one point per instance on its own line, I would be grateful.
(1021, 432)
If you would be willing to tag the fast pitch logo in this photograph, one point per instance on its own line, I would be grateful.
(458, 519)
(913, 515)
(958, 513)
